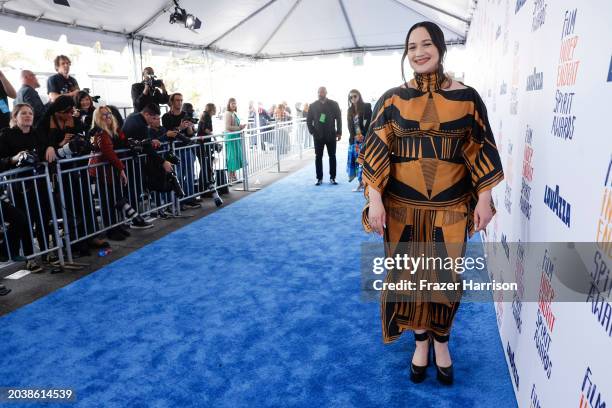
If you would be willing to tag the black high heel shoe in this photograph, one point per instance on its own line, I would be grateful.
(444, 374)
(418, 373)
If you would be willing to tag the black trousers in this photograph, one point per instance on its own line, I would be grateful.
(320, 145)
(16, 231)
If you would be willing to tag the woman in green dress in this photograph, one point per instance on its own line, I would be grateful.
(233, 146)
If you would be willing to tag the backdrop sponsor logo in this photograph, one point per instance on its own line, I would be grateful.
(539, 14)
(509, 176)
(558, 204)
(545, 320)
(568, 66)
(503, 89)
(563, 120)
(535, 400)
(517, 300)
(535, 81)
(590, 395)
(504, 242)
(515, 80)
(513, 369)
(601, 276)
(567, 71)
(610, 71)
(527, 174)
(519, 5)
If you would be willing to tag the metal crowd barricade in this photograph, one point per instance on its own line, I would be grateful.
(260, 149)
(89, 195)
(31, 225)
(27, 214)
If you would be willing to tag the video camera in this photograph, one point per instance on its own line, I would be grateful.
(152, 81)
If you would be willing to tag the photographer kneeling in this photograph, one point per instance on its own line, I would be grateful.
(63, 137)
(106, 137)
(150, 91)
(159, 173)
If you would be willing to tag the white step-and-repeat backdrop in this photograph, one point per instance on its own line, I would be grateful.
(544, 70)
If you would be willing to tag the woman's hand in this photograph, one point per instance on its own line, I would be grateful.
(377, 216)
(50, 154)
(359, 138)
(483, 212)
(123, 178)
(66, 139)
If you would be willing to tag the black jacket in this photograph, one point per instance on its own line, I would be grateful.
(13, 141)
(322, 127)
(365, 118)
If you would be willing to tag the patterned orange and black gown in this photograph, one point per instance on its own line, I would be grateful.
(429, 152)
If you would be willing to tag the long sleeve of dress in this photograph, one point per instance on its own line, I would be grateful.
(377, 149)
(480, 152)
(375, 154)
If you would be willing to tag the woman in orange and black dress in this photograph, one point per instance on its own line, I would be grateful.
(429, 164)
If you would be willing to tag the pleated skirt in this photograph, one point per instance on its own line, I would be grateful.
(425, 233)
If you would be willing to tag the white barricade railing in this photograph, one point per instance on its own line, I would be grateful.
(27, 214)
(91, 195)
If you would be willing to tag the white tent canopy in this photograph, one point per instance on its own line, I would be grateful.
(245, 28)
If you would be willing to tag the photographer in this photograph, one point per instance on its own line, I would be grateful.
(63, 136)
(159, 173)
(149, 91)
(62, 83)
(182, 123)
(106, 137)
(18, 146)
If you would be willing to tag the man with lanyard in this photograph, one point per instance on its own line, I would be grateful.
(325, 125)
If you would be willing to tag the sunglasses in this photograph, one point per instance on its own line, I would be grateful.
(107, 115)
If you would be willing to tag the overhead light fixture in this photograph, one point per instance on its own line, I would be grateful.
(179, 15)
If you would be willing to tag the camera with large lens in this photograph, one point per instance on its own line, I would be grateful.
(172, 158)
(28, 158)
(152, 81)
(78, 145)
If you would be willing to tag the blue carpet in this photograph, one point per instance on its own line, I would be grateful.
(257, 304)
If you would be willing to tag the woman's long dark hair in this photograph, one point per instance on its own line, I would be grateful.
(354, 108)
(437, 37)
(82, 95)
